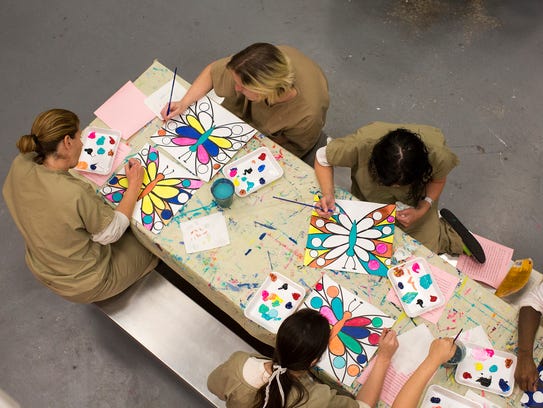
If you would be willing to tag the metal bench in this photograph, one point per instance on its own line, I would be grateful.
(174, 328)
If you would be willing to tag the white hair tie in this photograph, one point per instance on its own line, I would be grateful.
(277, 371)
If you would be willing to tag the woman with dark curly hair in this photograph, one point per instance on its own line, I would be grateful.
(393, 163)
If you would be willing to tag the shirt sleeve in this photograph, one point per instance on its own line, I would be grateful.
(344, 152)
(223, 82)
(321, 157)
(94, 212)
(113, 231)
(534, 298)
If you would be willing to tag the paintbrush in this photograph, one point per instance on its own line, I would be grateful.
(171, 91)
(305, 204)
(454, 341)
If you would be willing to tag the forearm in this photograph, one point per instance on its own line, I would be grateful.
(325, 177)
(371, 390)
(200, 87)
(528, 323)
(433, 190)
(411, 391)
(128, 202)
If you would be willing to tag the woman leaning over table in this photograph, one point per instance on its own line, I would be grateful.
(76, 244)
(277, 89)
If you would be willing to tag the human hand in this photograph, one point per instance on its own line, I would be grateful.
(134, 173)
(388, 344)
(526, 375)
(441, 350)
(176, 108)
(326, 203)
(409, 216)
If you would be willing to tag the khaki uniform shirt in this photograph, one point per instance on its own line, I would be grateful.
(295, 124)
(355, 150)
(227, 383)
(56, 214)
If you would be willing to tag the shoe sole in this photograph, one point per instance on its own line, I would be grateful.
(467, 237)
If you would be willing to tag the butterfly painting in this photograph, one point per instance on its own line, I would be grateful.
(356, 328)
(165, 189)
(357, 238)
(204, 137)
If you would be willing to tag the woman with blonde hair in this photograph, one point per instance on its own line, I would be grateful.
(276, 89)
(76, 244)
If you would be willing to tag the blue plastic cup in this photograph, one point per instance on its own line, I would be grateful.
(223, 192)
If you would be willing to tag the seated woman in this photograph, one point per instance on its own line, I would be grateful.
(276, 89)
(390, 163)
(246, 381)
(76, 244)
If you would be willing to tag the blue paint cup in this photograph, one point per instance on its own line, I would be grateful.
(223, 192)
(458, 356)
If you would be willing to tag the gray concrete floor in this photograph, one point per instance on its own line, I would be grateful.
(472, 68)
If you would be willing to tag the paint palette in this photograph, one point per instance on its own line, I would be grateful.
(99, 148)
(275, 300)
(253, 171)
(439, 397)
(487, 369)
(415, 286)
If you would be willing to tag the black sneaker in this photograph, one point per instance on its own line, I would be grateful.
(469, 240)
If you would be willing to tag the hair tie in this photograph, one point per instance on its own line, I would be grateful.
(35, 138)
(277, 371)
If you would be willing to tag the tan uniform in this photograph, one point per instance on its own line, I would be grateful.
(354, 151)
(57, 214)
(227, 383)
(295, 124)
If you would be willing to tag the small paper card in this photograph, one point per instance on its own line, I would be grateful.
(201, 234)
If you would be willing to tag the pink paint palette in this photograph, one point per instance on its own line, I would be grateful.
(99, 148)
(439, 397)
(275, 300)
(415, 286)
(487, 369)
(253, 171)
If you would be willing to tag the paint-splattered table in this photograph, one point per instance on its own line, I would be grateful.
(270, 235)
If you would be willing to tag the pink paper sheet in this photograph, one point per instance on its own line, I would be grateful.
(446, 283)
(99, 179)
(394, 381)
(493, 271)
(126, 110)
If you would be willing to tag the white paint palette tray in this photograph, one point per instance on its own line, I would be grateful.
(439, 397)
(487, 369)
(275, 300)
(99, 149)
(253, 171)
(415, 286)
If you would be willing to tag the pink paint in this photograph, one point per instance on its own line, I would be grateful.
(233, 172)
(92, 135)
(416, 267)
(373, 265)
(381, 248)
(390, 219)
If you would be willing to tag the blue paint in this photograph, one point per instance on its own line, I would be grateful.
(293, 240)
(248, 251)
(265, 225)
(261, 237)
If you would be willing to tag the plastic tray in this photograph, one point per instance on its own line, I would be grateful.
(439, 397)
(415, 286)
(253, 171)
(487, 369)
(99, 149)
(275, 300)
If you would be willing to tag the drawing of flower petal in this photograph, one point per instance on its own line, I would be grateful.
(362, 254)
(371, 233)
(333, 241)
(365, 244)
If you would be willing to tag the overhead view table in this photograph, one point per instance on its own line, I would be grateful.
(267, 235)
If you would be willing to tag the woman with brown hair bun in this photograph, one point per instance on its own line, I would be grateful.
(76, 244)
